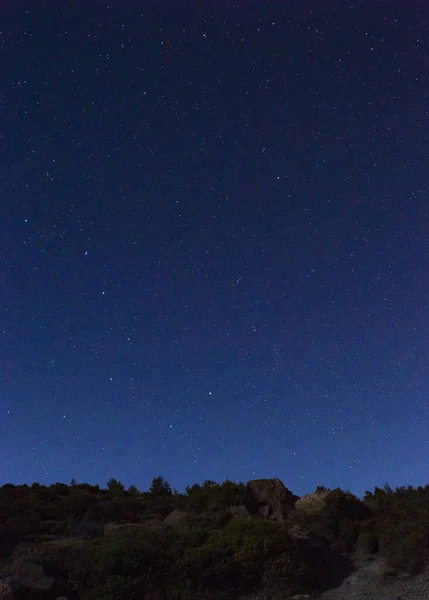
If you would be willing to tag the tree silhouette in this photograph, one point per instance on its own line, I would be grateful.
(115, 486)
(133, 491)
(160, 487)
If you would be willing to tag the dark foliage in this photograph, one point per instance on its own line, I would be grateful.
(211, 496)
(209, 554)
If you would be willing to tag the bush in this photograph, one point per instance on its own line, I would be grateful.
(115, 587)
(93, 489)
(117, 568)
(367, 542)
(103, 512)
(60, 488)
(251, 554)
(212, 496)
(230, 560)
(340, 506)
(348, 532)
(405, 546)
(12, 532)
(208, 522)
(77, 502)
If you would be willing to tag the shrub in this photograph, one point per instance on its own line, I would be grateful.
(103, 512)
(77, 502)
(230, 560)
(341, 505)
(246, 555)
(114, 587)
(11, 533)
(60, 488)
(117, 567)
(212, 496)
(367, 542)
(347, 535)
(405, 545)
(93, 489)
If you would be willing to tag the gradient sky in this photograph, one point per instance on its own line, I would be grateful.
(214, 242)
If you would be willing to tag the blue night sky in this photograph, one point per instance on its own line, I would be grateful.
(214, 227)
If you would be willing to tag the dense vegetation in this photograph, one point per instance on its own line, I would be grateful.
(208, 553)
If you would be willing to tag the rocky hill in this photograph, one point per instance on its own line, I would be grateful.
(229, 541)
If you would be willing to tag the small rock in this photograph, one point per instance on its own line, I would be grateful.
(175, 517)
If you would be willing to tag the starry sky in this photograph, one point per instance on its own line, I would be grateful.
(214, 242)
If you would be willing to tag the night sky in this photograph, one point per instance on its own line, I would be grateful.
(214, 242)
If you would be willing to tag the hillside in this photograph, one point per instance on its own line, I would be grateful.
(224, 541)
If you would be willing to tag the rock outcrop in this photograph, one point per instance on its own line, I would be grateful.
(25, 579)
(312, 503)
(175, 517)
(269, 498)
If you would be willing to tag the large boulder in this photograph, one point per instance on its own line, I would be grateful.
(25, 579)
(31, 576)
(312, 503)
(269, 498)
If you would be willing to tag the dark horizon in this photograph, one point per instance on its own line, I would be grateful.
(105, 487)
